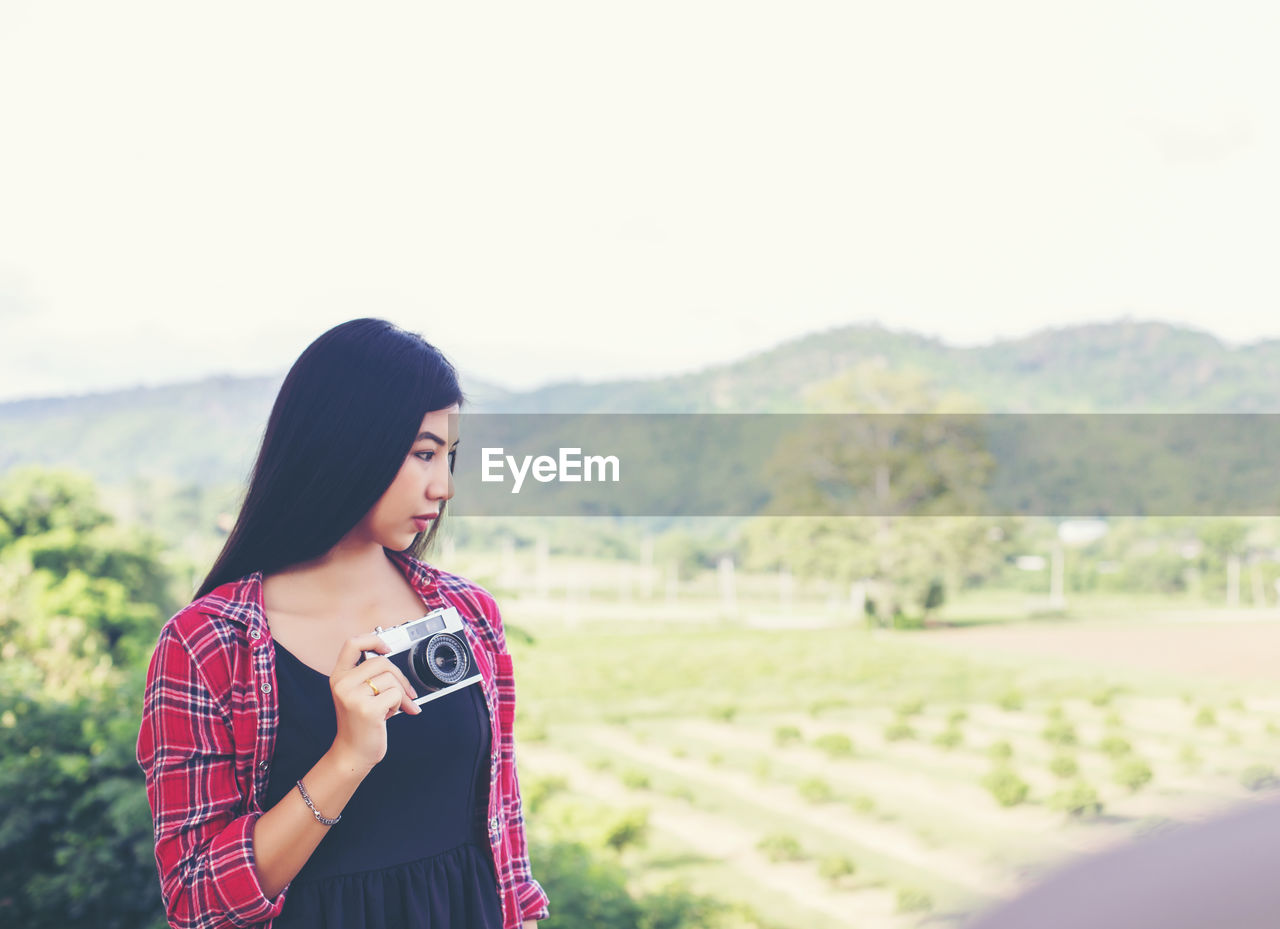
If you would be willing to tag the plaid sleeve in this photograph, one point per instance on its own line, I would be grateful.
(532, 898)
(204, 839)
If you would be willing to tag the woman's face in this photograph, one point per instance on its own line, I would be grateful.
(421, 487)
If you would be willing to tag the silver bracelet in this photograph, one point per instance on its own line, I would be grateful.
(323, 820)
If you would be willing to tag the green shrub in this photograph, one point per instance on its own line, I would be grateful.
(635, 779)
(542, 789)
(679, 751)
(834, 745)
(1056, 713)
(1259, 777)
(1079, 800)
(1011, 700)
(1236, 704)
(1113, 720)
(837, 869)
(1000, 751)
(779, 846)
(1005, 785)
(816, 790)
(1132, 772)
(715, 759)
(1189, 757)
(949, 738)
(913, 900)
(724, 713)
(1064, 765)
(631, 828)
(1060, 732)
(912, 707)
(1114, 747)
(787, 735)
(762, 769)
(863, 804)
(898, 730)
(956, 717)
(1206, 717)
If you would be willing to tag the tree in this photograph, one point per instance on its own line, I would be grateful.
(81, 602)
(886, 496)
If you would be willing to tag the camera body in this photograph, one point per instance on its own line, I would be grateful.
(433, 653)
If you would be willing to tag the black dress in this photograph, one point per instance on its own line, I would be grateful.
(412, 849)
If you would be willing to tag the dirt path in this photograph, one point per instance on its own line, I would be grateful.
(1239, 649)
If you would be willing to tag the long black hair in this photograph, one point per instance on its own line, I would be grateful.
(345, 418)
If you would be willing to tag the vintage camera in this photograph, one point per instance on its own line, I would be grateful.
(432, 652)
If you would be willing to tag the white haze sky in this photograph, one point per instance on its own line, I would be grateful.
(586, 190)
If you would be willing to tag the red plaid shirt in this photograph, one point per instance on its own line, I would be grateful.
(208, 733)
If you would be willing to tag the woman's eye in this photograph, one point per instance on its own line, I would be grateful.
(428, 455)
(452, 456)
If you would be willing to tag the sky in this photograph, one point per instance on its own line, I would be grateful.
(592, 190)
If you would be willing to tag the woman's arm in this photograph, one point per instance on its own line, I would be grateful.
(286, 835)
(204, 839)
(220, 867)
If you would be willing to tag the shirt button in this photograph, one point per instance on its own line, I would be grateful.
(266, 687)
(262, 766)
(494, 825)
(255, 634)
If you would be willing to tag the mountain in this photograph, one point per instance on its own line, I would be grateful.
(205, 432)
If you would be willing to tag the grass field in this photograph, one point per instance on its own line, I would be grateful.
(825, 775)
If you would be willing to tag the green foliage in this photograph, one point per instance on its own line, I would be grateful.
(949, 738)
(837, 869)
(913, 900)
(1005, 785)
(628, 829)
(81, 603)
(780, 846)
(957, 716)
(1001, 750)
(898, 730)
(912, 707)
(1259, 777)
(787, 735)
(863, 804)
(1132, 772)
(635, 779)
(1113, 746)
(1206, 717)
(834, 745)
(724, 713)
(816, 790)
(590, 892)
(1189, 756)
(536, 791)
(1064, 765)
(1011, 700)
(1059, 732)
(1079, 800)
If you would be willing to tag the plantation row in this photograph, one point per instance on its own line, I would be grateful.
(942, 810)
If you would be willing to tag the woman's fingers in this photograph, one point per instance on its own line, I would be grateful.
(367, 669)
(392, 680)
(354, 647)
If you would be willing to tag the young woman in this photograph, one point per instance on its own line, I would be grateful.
(291, 783)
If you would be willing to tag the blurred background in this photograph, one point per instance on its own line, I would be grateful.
(693, 207)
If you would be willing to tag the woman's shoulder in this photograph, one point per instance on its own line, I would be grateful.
(216, 622)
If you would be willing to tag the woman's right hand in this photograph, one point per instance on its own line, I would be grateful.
(361, 741)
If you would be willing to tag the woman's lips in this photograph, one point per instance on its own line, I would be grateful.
(422, 522)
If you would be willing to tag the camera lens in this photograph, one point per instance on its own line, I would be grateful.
(446, 658)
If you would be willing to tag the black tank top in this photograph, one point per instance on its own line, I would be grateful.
(412, 848)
